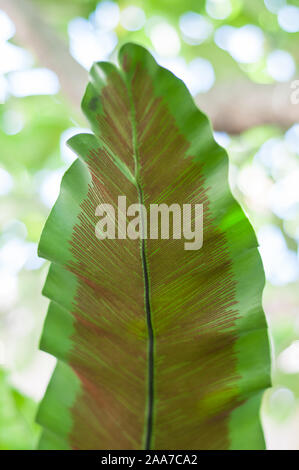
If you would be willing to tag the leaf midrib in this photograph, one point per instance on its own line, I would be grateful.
(148, 431)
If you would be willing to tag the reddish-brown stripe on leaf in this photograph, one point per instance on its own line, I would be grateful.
(110, 334)
(193, 320)
(194, 359)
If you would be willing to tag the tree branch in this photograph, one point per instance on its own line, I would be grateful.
(236, 106)
(51, 51)
(232, 107)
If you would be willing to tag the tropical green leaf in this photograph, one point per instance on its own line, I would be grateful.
(158, 347)
(18, 430)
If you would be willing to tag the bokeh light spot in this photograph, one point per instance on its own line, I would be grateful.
(201, 76)
(106, 15)
(222, 36)
(89, 45)
(288, 18)
(3, 89)
(7, 28)
(195, 28)
(281, 65)
(13, 58)
(33, 82)
(12, 122)
(274, 5)
(292, 138)
(6, 182)
(132, 18)
(222, 138)
(50, 186)
(246, 44)
(285, 196)
(67, 154)
(288, 360)
(165, 39)
(280, 264)
(218, 9)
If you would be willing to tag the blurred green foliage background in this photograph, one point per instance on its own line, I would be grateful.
(246, 45)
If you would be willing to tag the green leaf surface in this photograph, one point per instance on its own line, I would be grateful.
(158, 347)
(18, 431)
